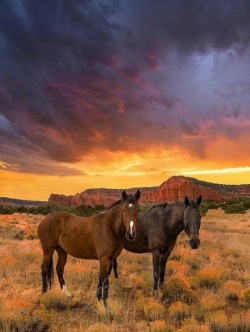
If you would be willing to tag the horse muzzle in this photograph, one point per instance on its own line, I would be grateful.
(194, 243)
(131, 235)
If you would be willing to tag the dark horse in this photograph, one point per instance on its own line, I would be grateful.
(99, 237)
(157, 232)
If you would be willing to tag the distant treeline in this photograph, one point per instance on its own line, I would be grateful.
(80, 210)
(233, 206)
(19, 202)
(230, 207)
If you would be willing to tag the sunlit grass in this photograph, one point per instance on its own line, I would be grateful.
(205, 290)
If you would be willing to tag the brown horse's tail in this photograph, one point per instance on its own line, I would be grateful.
(50, 274)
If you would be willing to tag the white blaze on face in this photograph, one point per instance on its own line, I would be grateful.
(130, 205)
(131, 227)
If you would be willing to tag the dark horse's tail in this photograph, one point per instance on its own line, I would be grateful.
(50, 274)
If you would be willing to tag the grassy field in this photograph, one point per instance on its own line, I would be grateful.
(205, 290)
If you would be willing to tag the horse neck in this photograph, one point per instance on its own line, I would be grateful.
(114, 219)
(174, 218)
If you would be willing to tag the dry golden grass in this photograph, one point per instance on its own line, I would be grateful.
(205, 290)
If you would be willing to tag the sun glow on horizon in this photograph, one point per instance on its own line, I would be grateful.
(119, 171)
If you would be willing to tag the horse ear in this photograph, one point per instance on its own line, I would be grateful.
(124, 195)
(138, 195)
(187, 201)
(199, 200)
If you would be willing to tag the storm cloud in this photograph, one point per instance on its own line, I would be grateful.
(121, 76)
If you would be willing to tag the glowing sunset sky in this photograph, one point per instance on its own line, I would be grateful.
(122, 93)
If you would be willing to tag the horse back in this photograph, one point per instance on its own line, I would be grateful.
(72, 233)
(81, 237)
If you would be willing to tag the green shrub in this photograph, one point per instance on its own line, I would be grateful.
(236, 206)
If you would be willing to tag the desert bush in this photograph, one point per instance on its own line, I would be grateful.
(19, 235)
(194, 282)
(179, 311)
(159, 326)
(142, 325)
(206, 206)
(240, 322)
(98, 327)
(24, 321)
(153, 310)
(178, 289)
(115, 308)
(54, 299)
(7, 209)
(231, 290)
(231, 252)
(236, 206)
(172, 267)
(246, 297)
(211, 302)
(217, 321)
(190, 324)
(175, 267)
(210, 277)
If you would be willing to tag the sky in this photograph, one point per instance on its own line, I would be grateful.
(122, 94)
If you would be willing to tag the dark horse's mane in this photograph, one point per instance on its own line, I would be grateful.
(155, 206)
(162, 205)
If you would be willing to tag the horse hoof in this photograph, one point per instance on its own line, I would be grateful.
(155, 293)
(66, 292)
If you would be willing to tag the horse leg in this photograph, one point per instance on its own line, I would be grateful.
(62, 259)
(156, 267)
(163, 264)
(103, 285)
(47, 270)
(162, 270)
(114, 265)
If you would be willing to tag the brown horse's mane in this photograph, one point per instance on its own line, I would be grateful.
(130, 198)
(116, 203)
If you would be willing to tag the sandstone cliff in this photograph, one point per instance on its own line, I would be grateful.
(174, 189)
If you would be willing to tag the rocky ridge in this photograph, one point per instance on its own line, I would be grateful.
(172, 190)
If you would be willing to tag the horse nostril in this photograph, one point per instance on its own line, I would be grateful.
(130, 236)
(194, 244)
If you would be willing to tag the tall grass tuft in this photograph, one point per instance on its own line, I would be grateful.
(210, 277)
(153, 310)
(159, 326)
(217, 321)
(179, 311)
(55, 300)
(246, 297)
(23, 321)
(178, 289)
(231, 290)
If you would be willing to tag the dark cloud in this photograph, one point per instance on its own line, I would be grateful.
(77, 75)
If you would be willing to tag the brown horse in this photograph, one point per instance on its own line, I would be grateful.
(99, 237)
(157, 232)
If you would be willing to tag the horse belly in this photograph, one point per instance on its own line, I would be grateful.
(80, 247)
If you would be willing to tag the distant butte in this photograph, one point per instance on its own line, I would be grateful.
(174, 189)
